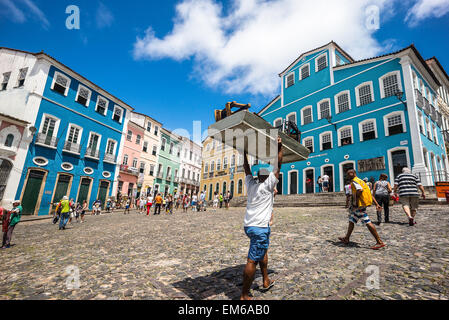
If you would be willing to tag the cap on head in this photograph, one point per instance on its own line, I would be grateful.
(263, 172)
(365, 179)
(65, 198)
(16, 201)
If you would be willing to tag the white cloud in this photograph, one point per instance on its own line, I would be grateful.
(104, 16)
(17, 14)
(424, 9)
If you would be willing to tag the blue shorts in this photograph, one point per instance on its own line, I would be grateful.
(260, 240)
(358, 214)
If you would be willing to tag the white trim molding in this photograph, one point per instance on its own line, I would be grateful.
(321, 139)
(63, 76)
(336, 100)
(302, 114)
(381, 83)
(339, 134)
(357, 92)
(394, 113)
(319, 107)
(361, 131)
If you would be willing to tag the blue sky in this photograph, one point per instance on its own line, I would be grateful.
(178, 60)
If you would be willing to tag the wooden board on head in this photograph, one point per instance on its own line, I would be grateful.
(246, 131)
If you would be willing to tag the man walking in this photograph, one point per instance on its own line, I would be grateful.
(158, 201)
(361, 199)
(65, 212)
(257, 218)
(407, 183)
(325, 179)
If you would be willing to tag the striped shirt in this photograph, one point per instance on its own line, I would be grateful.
(407, 185)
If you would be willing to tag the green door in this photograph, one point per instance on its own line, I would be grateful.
(83, 190)
(31, 193)
(102, 192)
(61, 189)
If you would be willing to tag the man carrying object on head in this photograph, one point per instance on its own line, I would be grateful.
(256, 224)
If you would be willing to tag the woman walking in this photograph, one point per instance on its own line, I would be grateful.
(14, 218)
(149, 204)
(381, 191)
(84, 209)
(320, 184)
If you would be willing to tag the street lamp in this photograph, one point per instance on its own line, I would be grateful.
(399, 95)
(329, 119)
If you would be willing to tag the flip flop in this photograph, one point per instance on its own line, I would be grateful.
(343, 240)
(378, 246)
(269, 287)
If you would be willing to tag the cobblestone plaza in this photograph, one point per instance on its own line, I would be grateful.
(202, 255)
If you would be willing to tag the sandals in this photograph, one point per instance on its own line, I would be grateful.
(378, 246)
(269, 287)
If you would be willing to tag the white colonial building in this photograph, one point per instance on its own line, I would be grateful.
(190, 169)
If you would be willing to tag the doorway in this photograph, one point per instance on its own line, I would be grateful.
(399, 160)
(5, 170)
(309, 180)
(103, 192)
(280, 183)
(62, 186)
(32, 191)
(293, 182)
(232, 188)
(84, 190)
(329, 171)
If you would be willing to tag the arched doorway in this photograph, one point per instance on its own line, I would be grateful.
(232, 188)
(32, 191)
(280, 183)
(5, 170)
(293, 182)
(61, 190)
(309, 180)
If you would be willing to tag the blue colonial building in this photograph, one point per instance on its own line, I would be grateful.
(78, 138)
(375, 115)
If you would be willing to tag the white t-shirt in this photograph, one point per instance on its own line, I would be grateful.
(194, 198)
(325, 178)
(149, 199)
(260, 201)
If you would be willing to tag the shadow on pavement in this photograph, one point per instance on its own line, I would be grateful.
(227, 281)
(341, 244)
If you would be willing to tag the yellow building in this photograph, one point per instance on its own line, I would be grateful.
(222, 170)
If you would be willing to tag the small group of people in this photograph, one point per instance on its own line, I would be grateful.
(219, 199)
(10, 218)
(323, 183)
(67, 209)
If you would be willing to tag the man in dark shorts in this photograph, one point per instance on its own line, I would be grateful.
(259, 209)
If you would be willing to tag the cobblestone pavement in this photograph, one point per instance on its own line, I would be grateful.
(201, 256)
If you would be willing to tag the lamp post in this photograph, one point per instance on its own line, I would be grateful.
(399, 95)
(329, 119)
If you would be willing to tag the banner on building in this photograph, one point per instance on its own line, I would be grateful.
(374, 164)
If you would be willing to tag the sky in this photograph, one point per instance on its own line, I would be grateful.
(177, 61)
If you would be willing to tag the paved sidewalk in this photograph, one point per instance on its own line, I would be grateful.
(201, 255)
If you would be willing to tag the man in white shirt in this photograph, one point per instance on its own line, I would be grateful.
(256, 224)
(325, 179)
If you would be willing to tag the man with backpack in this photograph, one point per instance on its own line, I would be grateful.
(361, 199)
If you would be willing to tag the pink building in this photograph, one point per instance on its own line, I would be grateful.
(131, 167)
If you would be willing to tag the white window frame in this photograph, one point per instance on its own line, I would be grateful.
(115, 146)
(336, 100)
(274, 122)
(361, 131)
(99, 139)
(292, 113)
(300, 71)
(88, 97)
(79, 135)
(385, 118)
(381, 82)
(316, 61)
(357, 93)
(435, 134)
(321, 139)
(64, 76)
(121, 115)
(302, 114)
(57, 122)
(339, 134)
(313, 142)
(106, 106)
(286, 79)
(319, 107)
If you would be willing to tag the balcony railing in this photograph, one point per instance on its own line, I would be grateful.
(240, 169)
(426, 107)
(205, 175)
(92, 153)
(419, 99)
(72, 147)
(159, 175)
(211, 174)
(109, 158)
(46, 140)
(176, 180)
(433, 113)
(437, 176)
(439, 120)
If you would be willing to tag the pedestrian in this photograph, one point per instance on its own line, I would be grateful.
(186, 202)
(320, 184)
(226, 199)
(127, 205)
(368, 183)
(203, 201)
(361, 199)
(84, 209)
(108, 205)
(65, 212)
(158, 201)
(57, 213)
(408, 184)
(170, 204)
(382, 190)
(194, 201)
(348, 192)
(5, 215)
(72, 210)
(14, 219)
(149, 203)
(179, 201)
(215, 203)
(220, 199)
(78, 209)
(97, 207)
(259, 211)
(113, 204)
(325, 179)
(142, 204)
